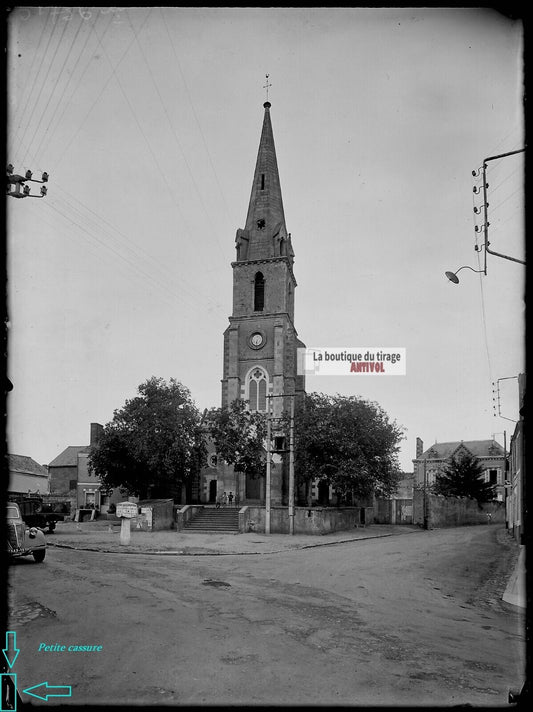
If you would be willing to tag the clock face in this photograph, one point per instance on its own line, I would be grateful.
(256, 340)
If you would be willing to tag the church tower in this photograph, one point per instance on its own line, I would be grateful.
(261, 342)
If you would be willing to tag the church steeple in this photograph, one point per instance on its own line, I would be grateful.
(265, 233)
(260, 343)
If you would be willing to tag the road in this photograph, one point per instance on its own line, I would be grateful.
(406, 620)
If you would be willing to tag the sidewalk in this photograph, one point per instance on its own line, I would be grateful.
(104, 536)
(515, 593)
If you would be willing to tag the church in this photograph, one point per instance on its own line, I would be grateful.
(261, 341)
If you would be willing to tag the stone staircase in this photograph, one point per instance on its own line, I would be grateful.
(211, 520)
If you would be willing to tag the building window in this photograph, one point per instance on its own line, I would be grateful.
(257, 390)
(493, 477)
(262, 181)
(72, 484)
(259, 292)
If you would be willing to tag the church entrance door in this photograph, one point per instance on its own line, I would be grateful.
(323, 494)
(213, 491)
(253, 487)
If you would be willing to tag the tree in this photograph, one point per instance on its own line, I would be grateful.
(464, 477)
(154, 444)
(348, 443)
(239, 437)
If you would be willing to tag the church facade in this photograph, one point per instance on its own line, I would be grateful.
(260, 342)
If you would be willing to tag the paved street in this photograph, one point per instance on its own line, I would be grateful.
(414, 619)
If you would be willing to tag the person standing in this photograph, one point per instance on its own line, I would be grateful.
(230, 498)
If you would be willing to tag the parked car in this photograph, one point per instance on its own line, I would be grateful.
(37, 513)
(21, 539)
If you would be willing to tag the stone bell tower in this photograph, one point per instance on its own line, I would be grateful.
(261, 342)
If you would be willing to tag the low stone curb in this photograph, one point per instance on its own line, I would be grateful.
(218, 553)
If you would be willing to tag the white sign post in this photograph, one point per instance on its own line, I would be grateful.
(126, 511)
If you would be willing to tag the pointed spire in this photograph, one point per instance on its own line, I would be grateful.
(265, 222)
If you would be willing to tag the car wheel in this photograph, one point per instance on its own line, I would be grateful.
(39, 555)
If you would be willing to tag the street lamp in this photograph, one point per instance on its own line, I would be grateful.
(452, 276)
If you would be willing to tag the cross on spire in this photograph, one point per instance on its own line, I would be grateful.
(267, 85)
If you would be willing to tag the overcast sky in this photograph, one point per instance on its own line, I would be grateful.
(148, 122)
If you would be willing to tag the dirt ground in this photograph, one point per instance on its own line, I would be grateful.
(385, 621)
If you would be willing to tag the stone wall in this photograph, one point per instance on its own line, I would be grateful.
(154, 515)
(454, 511)
(314, 521)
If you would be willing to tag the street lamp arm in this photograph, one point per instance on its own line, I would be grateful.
(505, 257)
(503, 155)
(452, 276)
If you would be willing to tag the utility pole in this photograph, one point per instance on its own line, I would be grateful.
(268, 464)
(291, 463)
(505, 470)
(291, 469)
(18, 183)
(425, 495)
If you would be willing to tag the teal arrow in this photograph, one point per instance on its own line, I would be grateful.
(11, 651)
(46, 691)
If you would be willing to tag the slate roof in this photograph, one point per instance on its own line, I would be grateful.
(69, 456)
(26, 465)
(478, 448)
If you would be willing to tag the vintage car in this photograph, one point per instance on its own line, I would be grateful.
(21, 539)
(38, 513)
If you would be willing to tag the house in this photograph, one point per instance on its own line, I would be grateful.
(489, 453)
(26, 475)
(70, 477)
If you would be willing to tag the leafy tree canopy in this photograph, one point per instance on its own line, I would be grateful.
(348, 443)
(155, 441)
(239, 436)
(463, 477)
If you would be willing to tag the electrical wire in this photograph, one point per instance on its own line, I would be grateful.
(113, 74)
(58, 125)
(176, 139)
(83, 231)
(21, 113)
(43, 84)
(138, 252)
(53, 91)
(188, 94)
(72, 71)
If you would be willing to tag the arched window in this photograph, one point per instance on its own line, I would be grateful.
(259, 292)
(257, 389)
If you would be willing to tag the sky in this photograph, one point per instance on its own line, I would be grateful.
(148, 121)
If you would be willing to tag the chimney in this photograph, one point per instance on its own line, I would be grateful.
(96, 432)
(419, 448)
